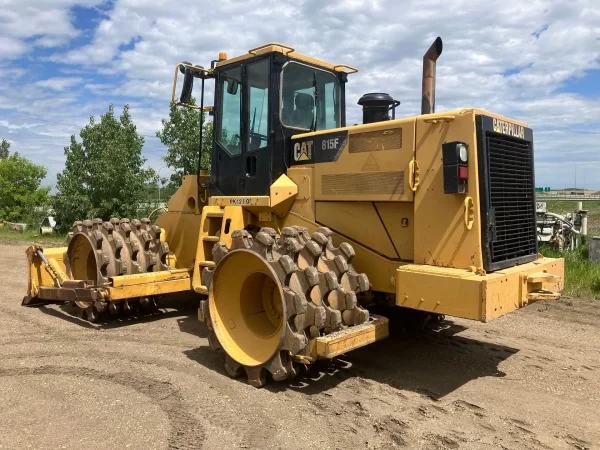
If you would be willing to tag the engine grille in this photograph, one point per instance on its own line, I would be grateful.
(511, 197)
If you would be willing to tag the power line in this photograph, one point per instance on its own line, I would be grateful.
(36, 119)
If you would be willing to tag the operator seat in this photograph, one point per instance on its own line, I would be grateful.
(302, 116)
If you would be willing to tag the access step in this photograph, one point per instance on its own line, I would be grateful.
(351, 338)
(542, 294)
(541, 277)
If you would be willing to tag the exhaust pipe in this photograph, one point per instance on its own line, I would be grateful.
(428, 92)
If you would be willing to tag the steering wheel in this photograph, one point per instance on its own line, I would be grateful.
(263, 137)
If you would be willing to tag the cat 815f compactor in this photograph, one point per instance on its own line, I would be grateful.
(302, 222)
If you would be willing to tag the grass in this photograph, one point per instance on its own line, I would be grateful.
(582, 277)
(32, 235)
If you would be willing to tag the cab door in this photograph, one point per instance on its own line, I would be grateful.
(257, 151)
(228, 164)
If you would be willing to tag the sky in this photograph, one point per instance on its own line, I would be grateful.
(62, 61)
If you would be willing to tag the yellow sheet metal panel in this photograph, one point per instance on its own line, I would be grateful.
(398, 219)
(185, 199)
(181, 233)
(358, 221)
(440, 290)
(373, 166)
(304, 203)
(282, 192)
(38, 276)
(442, 237)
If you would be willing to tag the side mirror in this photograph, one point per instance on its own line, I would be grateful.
(232, 86)
(188, 84)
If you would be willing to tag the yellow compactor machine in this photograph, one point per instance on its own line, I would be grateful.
(302, 222)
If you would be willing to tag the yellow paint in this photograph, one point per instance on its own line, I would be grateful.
(240, 200)
(358, 221)
(304, 203)
(463, 293)
(149, 289)
(37, 274)
(137, 279)
(441, 238)
(351, 338)
(398, 219)
(248, 318)
(181, 233)
(275, 47)
(282, 195)
(355, 177)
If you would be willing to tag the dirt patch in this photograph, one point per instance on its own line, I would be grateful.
(527, 380)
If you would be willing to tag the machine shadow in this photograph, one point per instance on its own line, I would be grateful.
(177, 306)
(433, 362)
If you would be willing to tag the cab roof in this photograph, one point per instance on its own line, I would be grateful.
(275, 47)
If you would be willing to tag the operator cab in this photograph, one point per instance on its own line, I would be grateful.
(261, 100)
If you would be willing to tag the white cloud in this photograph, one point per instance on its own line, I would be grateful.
(59, 83)
(11, 47)
(49, 21)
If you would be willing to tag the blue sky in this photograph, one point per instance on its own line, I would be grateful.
(64, 60)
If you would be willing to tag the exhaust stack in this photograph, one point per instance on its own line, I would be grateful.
(428, 92)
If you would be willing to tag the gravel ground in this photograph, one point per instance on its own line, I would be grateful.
(529, 380)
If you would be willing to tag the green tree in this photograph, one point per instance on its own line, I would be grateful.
(181, 134)
(104, 175)
(4, 147)
(21, 197)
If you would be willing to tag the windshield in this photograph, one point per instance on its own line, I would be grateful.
(309, 98)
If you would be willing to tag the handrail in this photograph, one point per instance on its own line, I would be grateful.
(345, 66)
(255, 50)
(187, 66)
(439, 119)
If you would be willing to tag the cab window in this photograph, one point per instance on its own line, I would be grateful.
(229, 131)
(258, 90)
(309, 98)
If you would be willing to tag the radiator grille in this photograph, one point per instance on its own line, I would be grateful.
(363, 183)
(511, 197)
(374, 141)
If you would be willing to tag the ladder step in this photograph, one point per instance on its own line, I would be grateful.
(541, 278)
(215, 213)
(211, 238)
(206, 264)
(542, 294)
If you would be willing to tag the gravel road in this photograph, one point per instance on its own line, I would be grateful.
(530, 380)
